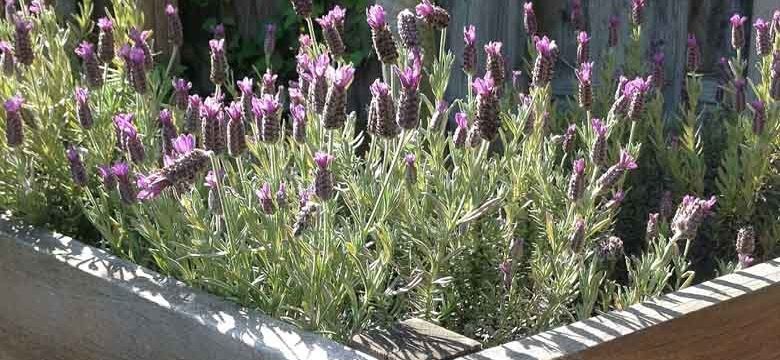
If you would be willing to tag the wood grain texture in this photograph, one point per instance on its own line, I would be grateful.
(62, 300)
(731, 317)
(414, 339)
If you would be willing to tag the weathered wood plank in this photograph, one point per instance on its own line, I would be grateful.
(414, 339)
(64, 300)
(731, 317)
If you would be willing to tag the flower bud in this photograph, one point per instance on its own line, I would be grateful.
(434, 16)
(384, 45)
(577, 238)
(266, 200)
(83, 110)
(105, 47)
(576, 181)
(77, 170)
(470, 50)
(407, 29)
(737, 31)
(22, 42)
(175, 29)
(529, 19)
(218, 72)
(303, 8)
(323, 181)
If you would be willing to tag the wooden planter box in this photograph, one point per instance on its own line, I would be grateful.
(61, 299)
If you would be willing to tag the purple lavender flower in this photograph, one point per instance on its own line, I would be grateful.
(407, 29)
(407, 115)
(763, 39)
(739, 95)
(651, 230)
(495, 63)
(577, 16)
(86, 51)
(266, 199)
(211, 181)
(14, 133)
(218, 72)
(319, 84)
(435, 16)
(36, 7)
(127, 190)
(505, 268)
(180, 173)
(83, 110)
(598, 153)
(746, 246)
(737, 31)
(487, 123)
(576, 181)
(585, 85)
(616, 200)
(614, 24)
(693, 54)
(637, 8)
(298, 112)
(212, 125)
(759, 116)
(22, 41)
(267, 113)
(136, 72)
(192, 116)
(461, 132)
(77, 170)
(181, 93)
(7, 61)
(439, 116)
(529, 19)
(690, 215)
(175, 29)
(269, 82)
(774, 29)
(332, 35)
(384, 45)
(335, 114)
(236, 137)
(636, 90)
(269, 45)
(105, 50)
(383, 122)
(577, 238)
(130, 139)
(281, 196)
(323, 180)
(302, 8)
(568, 138)
(610, 249)
(107, 176)
(545, 60)
(218, 31)
(410, 160)
(583, 53)
(140, 40)
(470, 50)
(167, 130)
(608, 180)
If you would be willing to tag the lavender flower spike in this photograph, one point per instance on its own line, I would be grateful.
(83, 110)
(267, 113)
(610, 178)
(269, 44)
(218, 72)
(323, 180)
(303, 8)
(487, 123)
(86, 51)
(382, 37)
(763, 39)
(693, 54)
(383, 120)
(737, 31)
(495, 63)
(14, 133)
(299, 123)
(470, 50)
(545, 61)
(598, 153)
(236, 137)
(461, 132)
(181, 92)
(335, 114)
(637, 9)
(332, 35)
(577, 181)
(127, 190)
(407, 115)
(266, 199)
(690, 214)
(7, 61)
(434, 16)
(77, 170)
(529, 19)
(407, 29)
(583, 48)
(105, 46)
(759, 116)
(167, 130)
(22, 42)
(585, 85)
(175, 28)
(614, 24)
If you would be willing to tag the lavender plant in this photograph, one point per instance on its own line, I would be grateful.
(427, 222)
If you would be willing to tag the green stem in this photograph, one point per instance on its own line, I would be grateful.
(401, 143)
